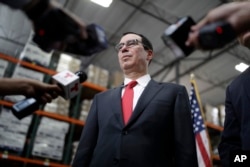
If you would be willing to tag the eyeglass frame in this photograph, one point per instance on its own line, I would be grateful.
(118, 46)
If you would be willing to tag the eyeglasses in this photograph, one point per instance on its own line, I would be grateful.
(129, 43)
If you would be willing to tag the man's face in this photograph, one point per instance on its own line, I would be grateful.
(132, 55)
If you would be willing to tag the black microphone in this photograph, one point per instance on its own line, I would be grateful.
(216, 35)
(176, 35)
(27, 106)
(56, 30)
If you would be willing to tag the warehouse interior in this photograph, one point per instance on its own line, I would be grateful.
(213, 70)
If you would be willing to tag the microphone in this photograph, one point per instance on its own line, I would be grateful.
(216, 35)
(68, 81)
(56, 30)
(175, 36)
(211, 36)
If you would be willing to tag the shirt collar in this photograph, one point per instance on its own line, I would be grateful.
(143, 80)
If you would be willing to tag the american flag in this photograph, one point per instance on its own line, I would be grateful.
(201, 137)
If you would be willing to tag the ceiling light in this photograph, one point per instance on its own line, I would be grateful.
(241, 67)
(104, 3)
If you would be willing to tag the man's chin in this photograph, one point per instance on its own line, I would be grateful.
(127, 65)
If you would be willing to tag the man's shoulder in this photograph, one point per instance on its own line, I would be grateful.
(173, 87)
(242, 78)
(108, 91)
(169, 84)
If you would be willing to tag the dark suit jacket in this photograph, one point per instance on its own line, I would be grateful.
(236, 134)
(158, 134)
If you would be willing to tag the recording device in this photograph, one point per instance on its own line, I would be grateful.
(176, 35)
(56, 30)
(211, 36)
(68, 81)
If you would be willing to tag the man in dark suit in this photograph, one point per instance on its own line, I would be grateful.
(236, 134)
(159, 132)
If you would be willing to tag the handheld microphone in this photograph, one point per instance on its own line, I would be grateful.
(68, 81)
(216, 35)
(211, 36)
(175, 36)
(56, 30)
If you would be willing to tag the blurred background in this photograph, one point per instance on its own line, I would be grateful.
(213, 70)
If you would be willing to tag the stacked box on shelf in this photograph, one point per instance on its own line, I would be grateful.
(98, 75)
(35, 55)
(222, 114)
(67, 62)
(85, 109)
(74, 149)
(92, 73)
(50, 139)
(60, 105)
(117, 79)
(3, 67)
(13, 131)
(212, 114)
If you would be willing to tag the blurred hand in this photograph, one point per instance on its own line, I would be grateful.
(235, 13)
(43, 92)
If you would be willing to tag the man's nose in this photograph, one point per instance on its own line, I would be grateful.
(124, 48)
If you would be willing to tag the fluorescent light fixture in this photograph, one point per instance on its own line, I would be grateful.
(103, 3)
(241, 67)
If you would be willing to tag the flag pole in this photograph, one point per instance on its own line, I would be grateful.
(192, 80)
(197, 94)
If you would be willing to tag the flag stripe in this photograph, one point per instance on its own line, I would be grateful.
(203, 150)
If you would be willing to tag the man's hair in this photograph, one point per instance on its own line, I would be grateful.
(146, 43)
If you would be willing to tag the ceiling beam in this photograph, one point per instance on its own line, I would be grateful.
(220, 84)
(210, 58)
(235, 53)
(139, 7)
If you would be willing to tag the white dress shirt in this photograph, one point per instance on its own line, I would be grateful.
(142, 82)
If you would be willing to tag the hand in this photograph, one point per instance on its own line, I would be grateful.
(236, 13)
(43, 92)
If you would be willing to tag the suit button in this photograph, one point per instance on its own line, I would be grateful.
(125, 132)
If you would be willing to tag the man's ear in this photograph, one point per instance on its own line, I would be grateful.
(150, 55)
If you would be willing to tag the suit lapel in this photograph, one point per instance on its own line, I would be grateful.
(148, 94)
(117, 105)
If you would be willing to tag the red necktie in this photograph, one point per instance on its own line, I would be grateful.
(127, 101)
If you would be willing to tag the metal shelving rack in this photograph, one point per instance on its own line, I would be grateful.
(27, 159)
